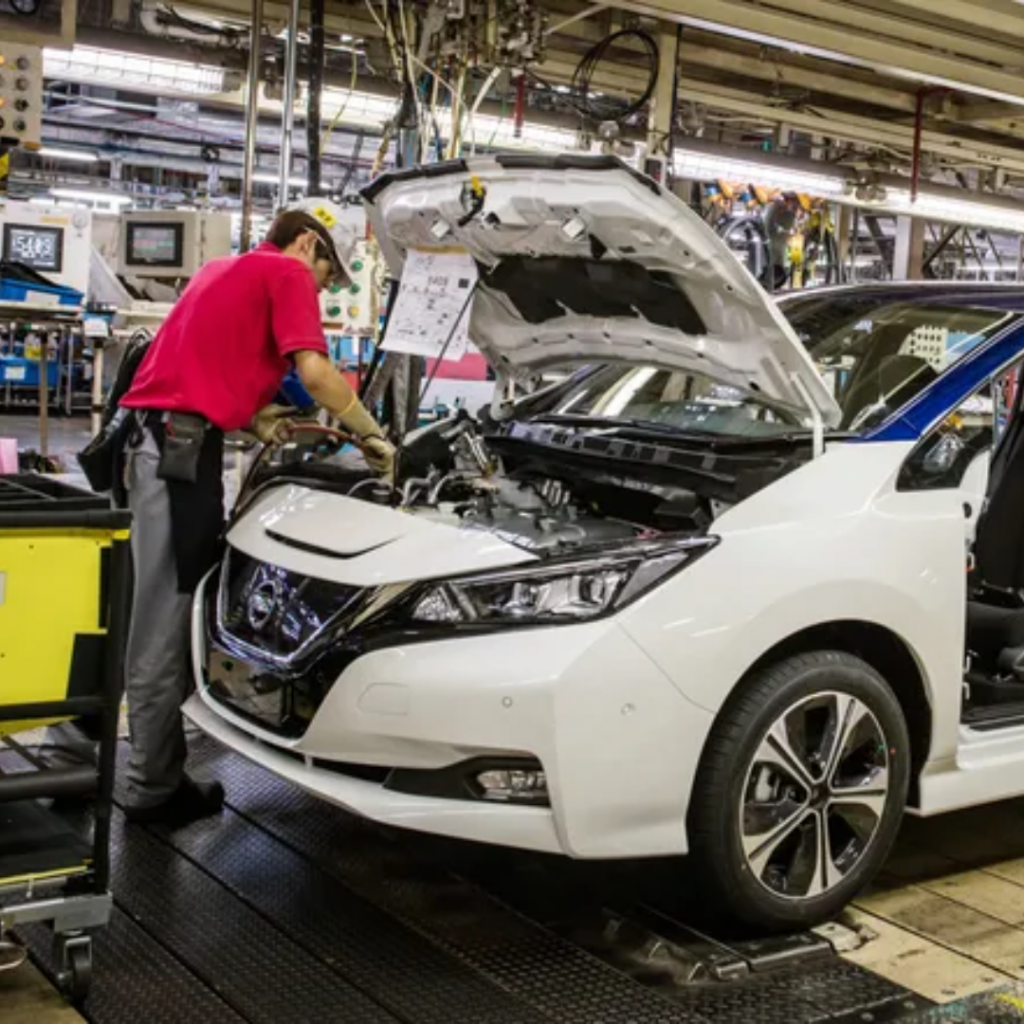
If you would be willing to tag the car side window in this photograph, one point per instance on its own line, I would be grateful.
(943, 456)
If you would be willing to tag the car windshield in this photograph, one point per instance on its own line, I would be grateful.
(874, 357)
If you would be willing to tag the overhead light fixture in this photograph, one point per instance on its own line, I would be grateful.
(82, 195)
(958, 211)
(57, 153)
(701, 165)
(267, 178)
(98, 66)
(889, 194)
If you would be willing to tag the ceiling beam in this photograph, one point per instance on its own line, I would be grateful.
(991, 112)
(805, 33)
(864, 130)
(999, 17)
(973, 39)
(769, 69)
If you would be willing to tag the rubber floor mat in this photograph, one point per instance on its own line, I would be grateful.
(561, 981)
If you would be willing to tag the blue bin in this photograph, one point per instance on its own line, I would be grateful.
(12, 290)
(22, 372)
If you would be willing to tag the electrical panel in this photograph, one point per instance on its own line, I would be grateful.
(21, 94)
(352, 310)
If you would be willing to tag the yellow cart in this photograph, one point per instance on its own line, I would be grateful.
(65, 578)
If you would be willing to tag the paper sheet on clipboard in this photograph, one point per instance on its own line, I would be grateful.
(432, 299)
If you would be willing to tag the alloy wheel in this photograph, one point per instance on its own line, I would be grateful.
(814, 795)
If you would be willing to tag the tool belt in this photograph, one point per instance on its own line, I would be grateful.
(192, 466)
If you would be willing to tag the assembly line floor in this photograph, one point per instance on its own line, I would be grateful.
(285, 909)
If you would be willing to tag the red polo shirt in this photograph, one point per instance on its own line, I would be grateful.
(224, 349)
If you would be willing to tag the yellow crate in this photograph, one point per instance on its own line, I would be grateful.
(51, 594)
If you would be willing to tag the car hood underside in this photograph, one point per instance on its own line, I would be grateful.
(583, 259)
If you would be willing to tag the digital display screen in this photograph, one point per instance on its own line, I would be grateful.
(154, 245)
(37, 247)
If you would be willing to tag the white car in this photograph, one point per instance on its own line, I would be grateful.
(740, 587)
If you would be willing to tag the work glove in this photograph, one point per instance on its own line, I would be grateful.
(379, 455)
(273, 424)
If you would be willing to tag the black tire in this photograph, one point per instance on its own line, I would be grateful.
(738, 756)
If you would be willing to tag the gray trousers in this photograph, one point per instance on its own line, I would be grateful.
(157, 673)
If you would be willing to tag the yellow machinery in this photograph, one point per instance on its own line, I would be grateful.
(65, 577)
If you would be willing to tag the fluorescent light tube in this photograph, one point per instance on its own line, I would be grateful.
(711, 167)
(272, 179)
(57, 153)
(91, 197)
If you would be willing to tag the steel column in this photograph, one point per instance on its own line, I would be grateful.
(316, 84)
(663, 110)
(252, 110)
(908, 258)
(288, 110)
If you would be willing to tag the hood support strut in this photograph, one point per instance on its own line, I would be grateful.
(817, 422)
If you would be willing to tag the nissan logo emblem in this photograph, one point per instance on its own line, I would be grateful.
(262, 604)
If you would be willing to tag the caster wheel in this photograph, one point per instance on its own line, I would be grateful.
(75, 977)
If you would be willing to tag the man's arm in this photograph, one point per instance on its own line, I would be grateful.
(329, 389)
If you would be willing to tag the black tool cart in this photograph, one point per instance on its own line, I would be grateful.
(65, 577)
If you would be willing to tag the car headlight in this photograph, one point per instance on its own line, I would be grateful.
(564, 590)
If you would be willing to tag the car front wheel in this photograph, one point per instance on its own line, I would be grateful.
(801, 790)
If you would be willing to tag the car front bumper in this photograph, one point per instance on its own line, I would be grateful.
(618, 743)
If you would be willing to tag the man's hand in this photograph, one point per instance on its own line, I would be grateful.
(380, 456)
(273, 423)
(330, 390)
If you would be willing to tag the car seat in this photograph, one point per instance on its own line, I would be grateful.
(995, 638)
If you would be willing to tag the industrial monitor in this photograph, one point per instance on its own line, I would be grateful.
(53, 241)
(38, 247)
(171, 243)
(154, 245)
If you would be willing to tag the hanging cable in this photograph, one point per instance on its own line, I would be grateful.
(410, 80)
(480, 97)
(341, 109)
(600, 108)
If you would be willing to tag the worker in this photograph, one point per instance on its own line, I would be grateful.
(213, 367)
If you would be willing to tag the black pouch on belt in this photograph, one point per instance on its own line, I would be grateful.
(183, 444)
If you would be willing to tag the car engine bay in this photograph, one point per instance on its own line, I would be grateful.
(549, 490)
(537, 511)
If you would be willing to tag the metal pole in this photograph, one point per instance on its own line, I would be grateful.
(252, 110)
(316, 84)
(288, 113)
(915, 161)
(660, 121)
(854, 244)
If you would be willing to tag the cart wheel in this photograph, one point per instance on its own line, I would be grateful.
(75, 977)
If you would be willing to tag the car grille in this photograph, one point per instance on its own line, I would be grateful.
(276, 612)
(278, 703)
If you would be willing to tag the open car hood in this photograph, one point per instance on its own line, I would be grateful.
(582, 259)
